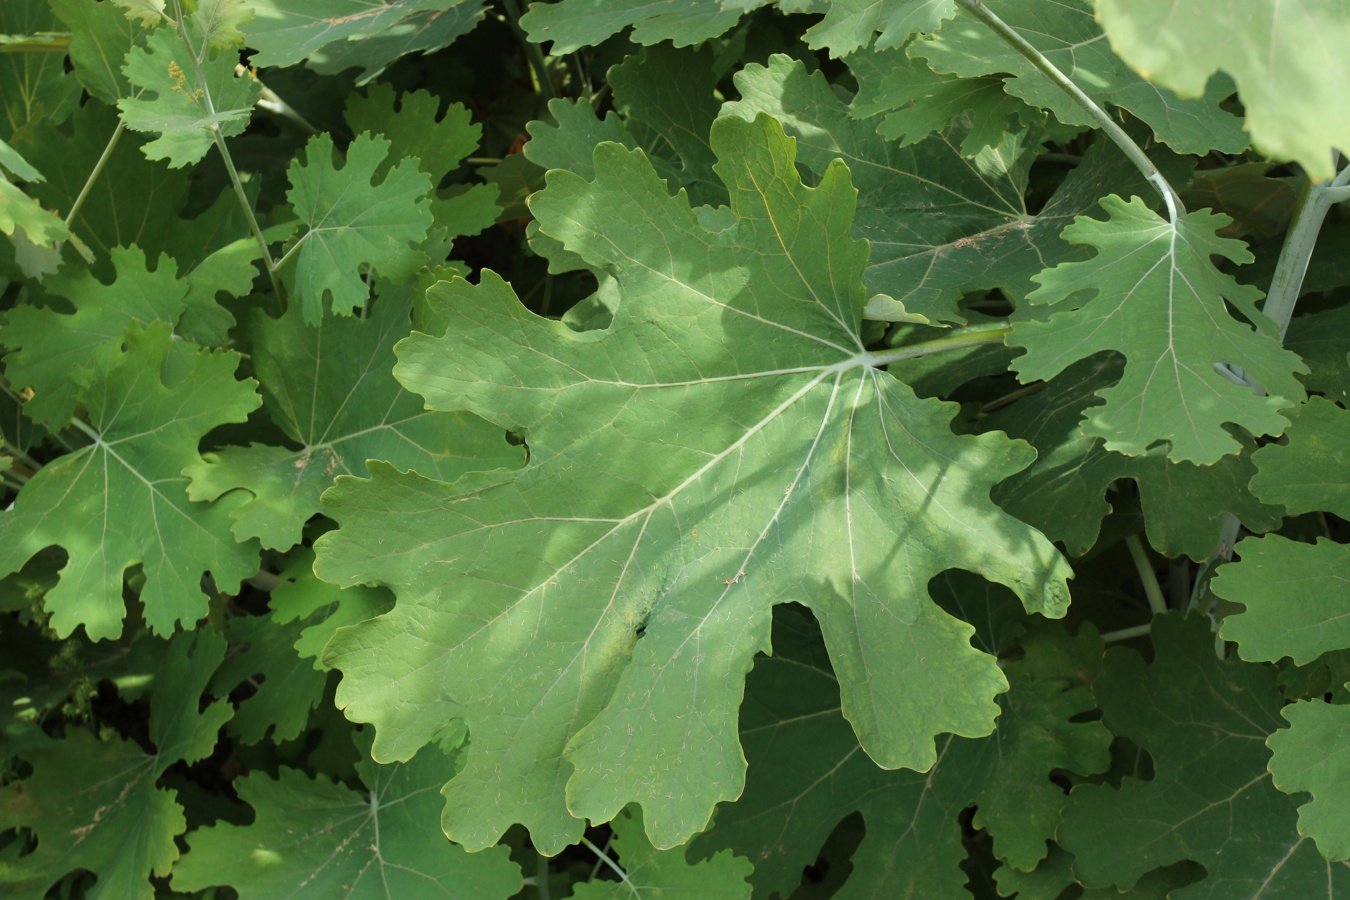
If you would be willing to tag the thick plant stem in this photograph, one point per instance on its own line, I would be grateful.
(965, 337)
(1104, 121)
(93, 175)
(606, 859)
(1310, 210)
(1149, 578)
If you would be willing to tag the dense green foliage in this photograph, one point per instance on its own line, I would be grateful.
(731, 448)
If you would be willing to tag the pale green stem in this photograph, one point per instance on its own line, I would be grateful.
(83, 427)
(5, 482)
(93, 175)
(1104, 121)
(1310, 210)
(965, 337)
(14, 451)
(1124, 634)
(607, 860)
(1149, 578)
(540, 878)
(219, 140)
(264, 580)
(1229, 526)
(532, 51)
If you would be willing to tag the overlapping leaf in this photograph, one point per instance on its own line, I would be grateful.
(807, 773)
(1306, 472)
(1153, 294)
(1211, 799)
(1062, 492)
(939, 225)
(690, 467)
(336, 34)
(1287, 60)
(354, 223)
(330, 389)
(1310, 755)
(187, 95)
(101, 36)
(95, 805)
(313, 838)
(122, 500)
(571, 24)
(1067, 34)
(33, 86)
(648, 872)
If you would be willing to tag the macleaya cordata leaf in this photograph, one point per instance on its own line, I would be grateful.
(438, 143)
(1306, 472)
(1296, 598)
(320, 607)
(1062, 492)
(807, 772)
(186, 104)
(123, 499)
(649, 872)
(667, 102)
(354, 223)
(95, 805)
(46, 346)
(1311, 755)
(849, 25)
(940, 225)
(287, 686)
(33, 86)
(572, 24)
(101, 35)
(910, 101)
(1204, 723)
(726, 445)
(311, 837)
(1067, 34)
(335, 34)
(329, 388)
(218, 22)
(1153, 293)
(147, 12)
(1288, 60)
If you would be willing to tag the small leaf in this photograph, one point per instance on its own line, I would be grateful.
(354, 223)
(1152, 293)
(1310, 755)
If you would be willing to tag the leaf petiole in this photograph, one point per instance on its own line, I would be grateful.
(1149, 578)
(970, 336)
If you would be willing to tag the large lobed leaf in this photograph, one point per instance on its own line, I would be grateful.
(123, 499)
(1153, 293)
(1288, 60)
(592, 616)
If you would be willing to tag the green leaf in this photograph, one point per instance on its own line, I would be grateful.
(33, 86)
(423, 31)
(313, 838)
(940, 225)
(572, 24)
(354, 223)
(1306, 472)
(287, 687)
(1296, 598)
(1152, 293)
(329, 388)
(726, 399)
(667, 102)
(185, 103)
(1067, 34)
(47, 345)
(807, 774)
(148, 12)
(649, 872)
(148, 429)
(1309, 755)
(13, 162)
(101, 37)
(21, 212)
(322, 608)
(438, 145)
(219, 22)
(94, 805)
(1062, 492)
(849, 25)
(136, 201)
(1211, 799)
(917, 102)
(1323, 340)
(1285, 58)
(285, 32)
